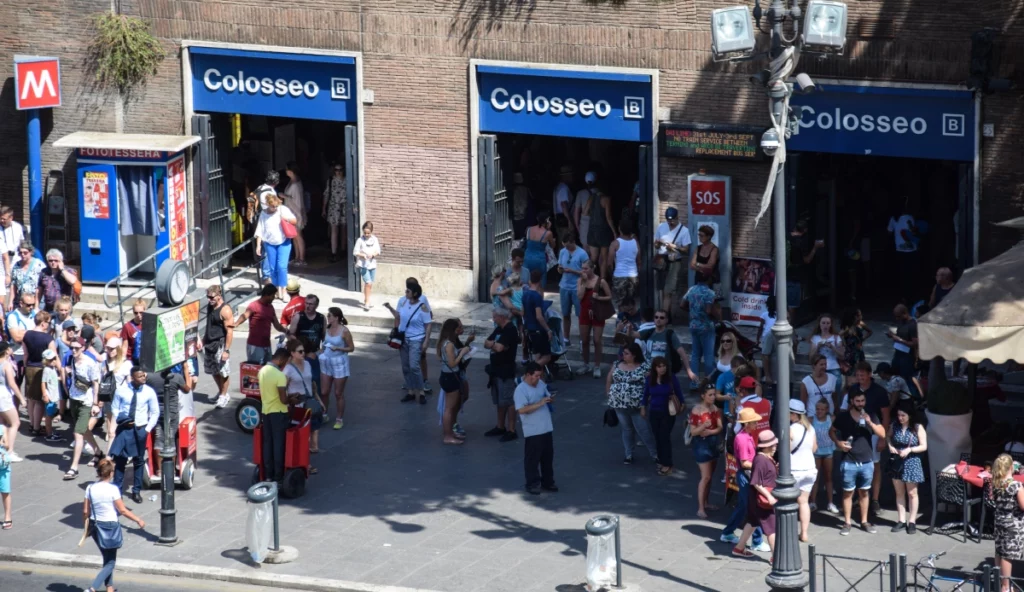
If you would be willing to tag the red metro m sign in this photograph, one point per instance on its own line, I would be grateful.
(36, 82)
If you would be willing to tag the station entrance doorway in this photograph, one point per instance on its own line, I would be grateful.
(540, 127)
(258, 111)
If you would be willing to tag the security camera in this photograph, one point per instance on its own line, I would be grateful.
(804, 84)
(770, 141)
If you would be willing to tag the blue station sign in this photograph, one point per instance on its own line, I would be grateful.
(303, 86)
(886, 121)
(578, 104)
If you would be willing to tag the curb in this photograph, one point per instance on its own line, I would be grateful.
(198, 572)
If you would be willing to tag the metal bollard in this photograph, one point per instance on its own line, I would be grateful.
(812, 575)
(602, 525)
(903, 572)
(266, 491)
(894, 573)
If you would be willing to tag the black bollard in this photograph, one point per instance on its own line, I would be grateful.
(168, 515)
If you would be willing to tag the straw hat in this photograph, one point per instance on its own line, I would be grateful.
(748, 415)
(766, 439)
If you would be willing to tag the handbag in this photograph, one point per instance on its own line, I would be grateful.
(309, 402)
(895, 465)
(601, 310)
(108, 533)
(762, 501)
(610, 418)
(396, 338)
(289, 229)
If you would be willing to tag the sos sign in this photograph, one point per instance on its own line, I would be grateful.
(707, 197)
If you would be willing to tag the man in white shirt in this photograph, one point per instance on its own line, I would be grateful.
(672, 241)
(561, 199)
(136, 410)
(12, 234)
(904, 231)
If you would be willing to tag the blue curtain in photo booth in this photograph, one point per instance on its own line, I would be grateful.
(136, 191)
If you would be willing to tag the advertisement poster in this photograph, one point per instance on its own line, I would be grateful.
(178, 215)
(176, 336)
(752, 283)
(97, 195)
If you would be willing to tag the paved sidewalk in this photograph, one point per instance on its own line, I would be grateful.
(392, 505)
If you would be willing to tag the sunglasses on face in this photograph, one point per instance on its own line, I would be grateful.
(660, 317)
(76, 348)
(300, 351)
(728, 341)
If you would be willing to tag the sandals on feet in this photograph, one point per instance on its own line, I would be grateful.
(665, 471)
(742, 553)
(702, 515)
(6, 525)
(71, 474)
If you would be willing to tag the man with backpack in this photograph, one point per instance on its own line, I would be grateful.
(662, 341)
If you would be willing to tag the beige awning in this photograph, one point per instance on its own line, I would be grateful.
(982, 318)
(112, 141)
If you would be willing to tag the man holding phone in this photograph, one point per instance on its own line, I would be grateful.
(533, 404)
(798, 269)
(852, 432)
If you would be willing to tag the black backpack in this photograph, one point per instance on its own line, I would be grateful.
(674, 361)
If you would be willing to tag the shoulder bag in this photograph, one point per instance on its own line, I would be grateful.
(289, 229)
(108, 384)
(108, 533)
(601, 310)
(797, 447)
(397, 338)
(310, 401)
(661, 261)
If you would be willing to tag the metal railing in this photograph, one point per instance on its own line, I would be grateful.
(116, 282)
(895, 567)
(218, 265)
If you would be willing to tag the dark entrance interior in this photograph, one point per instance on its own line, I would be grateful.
(848, 200)
(246, 147)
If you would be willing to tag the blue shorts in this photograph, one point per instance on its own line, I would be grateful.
(705, 448)
(368, 275)
(569, 299)
(5, 481)
(857, 475)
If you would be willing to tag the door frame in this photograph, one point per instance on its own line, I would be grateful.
(186, 101)
(474, 134)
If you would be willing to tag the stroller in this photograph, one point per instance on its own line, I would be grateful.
(559, 367)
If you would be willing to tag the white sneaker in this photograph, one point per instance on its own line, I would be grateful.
(814, 507)
(586, 370)
(13, 457)
(223, 400)
(88, 449)
(762, 548)
(597, 372)
(832, 509)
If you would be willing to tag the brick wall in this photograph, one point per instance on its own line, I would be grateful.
(416, 58)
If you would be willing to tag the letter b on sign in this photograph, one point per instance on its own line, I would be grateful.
(707, 198)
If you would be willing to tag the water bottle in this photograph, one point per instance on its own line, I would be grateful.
(849, 441)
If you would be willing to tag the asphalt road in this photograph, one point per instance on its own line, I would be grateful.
(24, 577)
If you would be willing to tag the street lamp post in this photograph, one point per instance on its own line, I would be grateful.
(733, 39)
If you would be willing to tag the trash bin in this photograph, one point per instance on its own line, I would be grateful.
(602, 552)
(260, 522)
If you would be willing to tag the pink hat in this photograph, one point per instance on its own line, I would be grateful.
(766, 439)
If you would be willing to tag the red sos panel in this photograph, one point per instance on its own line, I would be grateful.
(707, 197)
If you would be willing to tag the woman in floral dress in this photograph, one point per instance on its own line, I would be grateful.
(335, 198)
(1008, 497)
(626, 395)
(25, 273)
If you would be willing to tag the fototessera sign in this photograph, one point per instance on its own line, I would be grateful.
(305, 86)
(572, 103)
(886, 121)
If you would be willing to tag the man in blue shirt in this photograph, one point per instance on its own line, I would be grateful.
(538, 334)
(700, 301)
(570, 265)
(136, 410)
(532, 401)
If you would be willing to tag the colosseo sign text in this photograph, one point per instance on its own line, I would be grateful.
(305, 86)
(886, 121)
(571, 103)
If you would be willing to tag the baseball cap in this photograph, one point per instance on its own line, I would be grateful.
(49, 354)
(747, 382)
(68, 324)
(293, 286)
(590, 177)
(114, 342)
(671, 213)
(88, 332)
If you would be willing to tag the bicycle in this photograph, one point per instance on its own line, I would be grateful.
(947, 576)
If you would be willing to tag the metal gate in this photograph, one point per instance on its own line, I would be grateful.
(645, 225)
(352, 226)
(213, 213)
(495, 214)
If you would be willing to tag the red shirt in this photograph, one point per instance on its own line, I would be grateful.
(261, 317)
(764, 409)
(697, 419)
(128, 333)
(295, 305)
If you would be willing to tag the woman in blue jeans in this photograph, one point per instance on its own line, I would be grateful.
(625, 395)
(103, 504)
(270, 237)
(412, 317)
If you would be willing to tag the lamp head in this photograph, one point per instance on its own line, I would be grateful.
(731, 33)
(824, 27)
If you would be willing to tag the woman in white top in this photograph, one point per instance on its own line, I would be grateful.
(411, 317)
(728, 348)
(625, 257)
(11, 400)
(300, 384)
(827, 343)
(366, 251)
(334, 362)
(103, 504)
(270, 237)
(295, 199)
(803, 442)
(819, 385)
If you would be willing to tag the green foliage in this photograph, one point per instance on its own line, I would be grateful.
(124, 52)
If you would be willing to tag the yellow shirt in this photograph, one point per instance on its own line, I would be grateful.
(270, 378)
